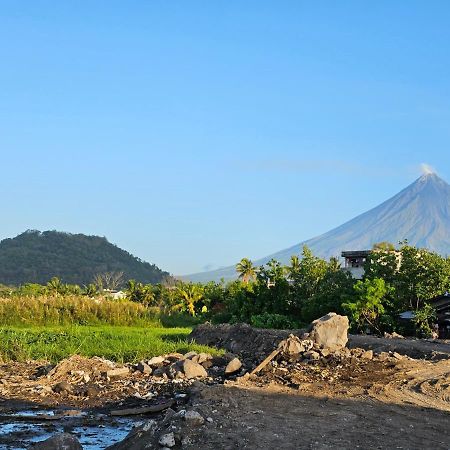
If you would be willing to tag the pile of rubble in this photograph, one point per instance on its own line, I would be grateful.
(320, 355)
(166, 384)
(80, 381)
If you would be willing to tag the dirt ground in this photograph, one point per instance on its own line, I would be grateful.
(386, 401)
(274, 417)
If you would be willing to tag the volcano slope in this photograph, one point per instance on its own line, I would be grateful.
(419, 213)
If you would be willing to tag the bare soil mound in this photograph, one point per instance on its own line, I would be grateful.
(254, 343)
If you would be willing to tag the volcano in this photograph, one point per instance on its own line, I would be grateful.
(419, 213)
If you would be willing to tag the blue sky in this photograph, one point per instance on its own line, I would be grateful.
(196, 133)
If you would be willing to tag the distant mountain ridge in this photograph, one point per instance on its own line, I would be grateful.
(419, 213)
(36, 257)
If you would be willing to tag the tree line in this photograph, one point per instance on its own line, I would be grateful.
(289, 296)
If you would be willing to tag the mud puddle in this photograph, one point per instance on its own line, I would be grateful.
(20, 429)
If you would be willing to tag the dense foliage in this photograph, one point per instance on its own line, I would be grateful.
(271, 296)
(35, 257)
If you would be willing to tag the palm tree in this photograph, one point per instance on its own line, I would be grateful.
(294, 267)
(189, 295)
(55, 287)
(246, 270)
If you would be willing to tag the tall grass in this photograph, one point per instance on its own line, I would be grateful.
(78, 310)
(121, 344)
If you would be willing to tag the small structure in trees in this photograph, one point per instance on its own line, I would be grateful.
(355, 261)
(441, 305)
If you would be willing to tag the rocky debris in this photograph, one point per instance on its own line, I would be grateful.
(175, 429)
(140, 438)
(161, 372)
(62, 441)
(116, 373)
(156, 361)
(62, 386)
(393, 335)
(320, 364)
(254, 344)
(166, 386)
(312, 355)
(202, 358)
(144, 368)
(294, 345)
(193, 418)
(368, 354)
(167, 440)
(330, 331)
(233, 366)
(192, 369)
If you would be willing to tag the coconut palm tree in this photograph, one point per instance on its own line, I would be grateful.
(294, 267)
(55, 287)
(246, 270)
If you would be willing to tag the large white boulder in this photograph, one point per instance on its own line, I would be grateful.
(330, 331)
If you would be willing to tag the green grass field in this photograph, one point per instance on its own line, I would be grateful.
(117, 343)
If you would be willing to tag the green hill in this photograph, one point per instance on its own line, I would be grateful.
(36, 257)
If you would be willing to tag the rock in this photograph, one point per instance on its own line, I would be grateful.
(144, 368)
(312, 355)
(368, 354)
(160, 372)
(117, 373)
(201, 358)
(294, 346)
(397, 356)
(233, 366)
(167, 440)
(91, 391)
(207, 364)
(174, 357)
(156, 361)
(330, 331)
(62, 441)
(62, 386)
(193, 370)
(193, 418)
(393, 335)
(190, 355)
(175, 371)
(141, 437)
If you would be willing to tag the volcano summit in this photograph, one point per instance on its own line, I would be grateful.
(420, 213)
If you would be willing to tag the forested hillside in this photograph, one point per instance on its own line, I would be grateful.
(36, 257)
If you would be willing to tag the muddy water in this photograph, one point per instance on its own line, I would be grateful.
(20, 429)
